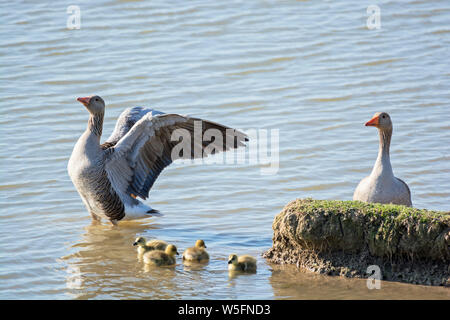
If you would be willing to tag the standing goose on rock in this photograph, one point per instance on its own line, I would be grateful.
(381, 185)
(110, 176)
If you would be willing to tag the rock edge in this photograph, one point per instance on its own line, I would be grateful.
(346, 237)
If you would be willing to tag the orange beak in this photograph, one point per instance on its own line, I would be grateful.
(84, 101)
(373, 122)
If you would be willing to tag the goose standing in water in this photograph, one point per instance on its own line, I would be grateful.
(110, 176)
(382, 186)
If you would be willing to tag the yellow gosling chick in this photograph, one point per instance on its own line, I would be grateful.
(161, 258)
(143, 246)
(140, 242)
(244, 263)
(196, 253)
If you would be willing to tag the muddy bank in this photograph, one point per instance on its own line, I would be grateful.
(345, 237)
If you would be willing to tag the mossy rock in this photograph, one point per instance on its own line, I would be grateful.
(309, 231)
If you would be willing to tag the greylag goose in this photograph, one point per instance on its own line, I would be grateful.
(381, 185)
(110, 176)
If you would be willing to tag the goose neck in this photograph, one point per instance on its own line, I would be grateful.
(95, 124)
(383, 162)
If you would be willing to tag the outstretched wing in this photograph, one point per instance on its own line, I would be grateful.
(137, 159)
(125, 122)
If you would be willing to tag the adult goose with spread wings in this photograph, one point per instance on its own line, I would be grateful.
(111, 176)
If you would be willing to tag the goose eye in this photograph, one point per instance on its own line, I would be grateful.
(384, 117)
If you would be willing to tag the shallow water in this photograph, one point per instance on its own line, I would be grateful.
(310, 69)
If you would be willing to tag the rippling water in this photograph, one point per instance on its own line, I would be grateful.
(311, 69)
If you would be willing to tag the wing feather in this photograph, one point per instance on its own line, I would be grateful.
(141, 154)
(125, 122)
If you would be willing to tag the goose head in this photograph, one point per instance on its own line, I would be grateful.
(232, 259)
(140, 241)
(94, 104)
(200, 244)
(171, 250)
(380, 120)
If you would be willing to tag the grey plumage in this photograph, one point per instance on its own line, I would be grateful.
(149, 149)
(104, 196)
(381, 186)
(109, 176)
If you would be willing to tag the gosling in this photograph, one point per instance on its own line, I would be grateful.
(156, 244)
(161, 258)
(196, 253)
(144, 246)
(244, 263)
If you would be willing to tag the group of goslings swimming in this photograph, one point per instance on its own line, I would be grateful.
(160, 253)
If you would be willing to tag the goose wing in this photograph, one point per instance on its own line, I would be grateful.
(153, 143)
(125, 122)
(407, 188)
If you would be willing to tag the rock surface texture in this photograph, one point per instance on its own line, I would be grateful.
(346, 237)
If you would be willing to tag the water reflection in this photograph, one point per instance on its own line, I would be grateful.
(195, 265)
(289, 282)
(105, 263)
(160, 271)
(232, 274)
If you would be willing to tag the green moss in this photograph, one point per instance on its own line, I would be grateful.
(345, 237)
(385, 230)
